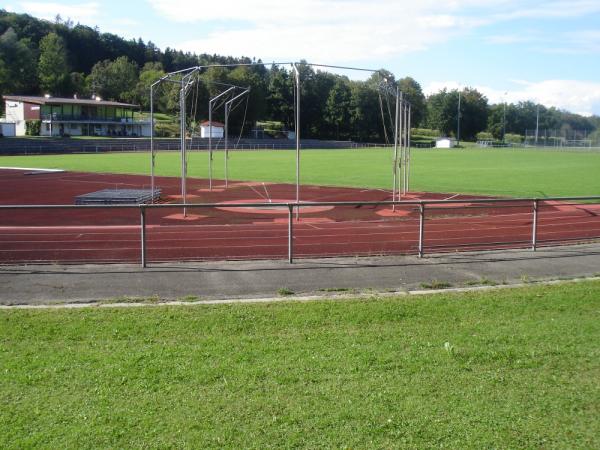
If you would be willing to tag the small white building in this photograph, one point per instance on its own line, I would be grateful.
(445, 143)
(218, 129)
(8, 129)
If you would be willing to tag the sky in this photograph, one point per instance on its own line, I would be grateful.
(510, 50)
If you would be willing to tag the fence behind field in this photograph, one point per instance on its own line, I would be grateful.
(416, 227)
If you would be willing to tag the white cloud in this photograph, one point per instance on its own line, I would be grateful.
(82, 12)
(570, 43)
(322, 30)
(518, 38)
(125, 21)
(581, 97)
(582, 41)
(351, 30)
(560, 9)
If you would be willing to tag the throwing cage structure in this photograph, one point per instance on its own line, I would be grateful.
(232, 96)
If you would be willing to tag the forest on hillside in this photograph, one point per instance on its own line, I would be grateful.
(61, 58)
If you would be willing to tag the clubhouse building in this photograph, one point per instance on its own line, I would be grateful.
(74, 117)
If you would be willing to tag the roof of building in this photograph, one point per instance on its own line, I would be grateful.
(64, 101)
(206, 123)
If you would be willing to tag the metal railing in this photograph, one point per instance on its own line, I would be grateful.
(423, 206)
(73, 146)
(93, 118)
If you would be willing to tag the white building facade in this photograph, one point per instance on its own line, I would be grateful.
(218, 129)
(445, 143)
(75, 117)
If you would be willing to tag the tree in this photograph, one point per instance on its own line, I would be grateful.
(337, 107)
(115, 80)
(280, 96)
(79, 85)
(442, 112)
(414, 94)
(150, 73)
(18, 74)
(473, 111)
(254, 109)
(365, 113)
(53, 68)
(523, 115)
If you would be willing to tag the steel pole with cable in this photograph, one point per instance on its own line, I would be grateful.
(227, 106)
(152, 141)
(395, 162)
(182, 143)
(458, 122)
(297, 126)
(228, 109)
(405, 152)
(409, 150)
(210, 145)
(210, 153)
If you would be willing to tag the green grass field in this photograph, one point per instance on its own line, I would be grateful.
(499, 172)
(512, 368)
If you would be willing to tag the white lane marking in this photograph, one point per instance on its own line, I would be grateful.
(32, 168)
(267, 192)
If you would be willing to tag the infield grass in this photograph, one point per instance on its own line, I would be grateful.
(498, 172)
(512, 368)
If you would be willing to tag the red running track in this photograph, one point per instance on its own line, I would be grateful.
(223, 233)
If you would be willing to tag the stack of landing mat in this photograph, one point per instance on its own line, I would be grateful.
(118, 197)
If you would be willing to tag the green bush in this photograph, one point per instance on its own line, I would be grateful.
(513, 138)
(425, 132)
(166, 129)
(33, 127)
(484, 136)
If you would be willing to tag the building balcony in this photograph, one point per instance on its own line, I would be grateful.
(91, 119)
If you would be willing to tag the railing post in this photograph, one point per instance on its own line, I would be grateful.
(421, 228)
(143, 234)
(534, 226)
(290, 233)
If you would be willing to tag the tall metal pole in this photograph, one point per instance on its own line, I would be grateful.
(537, 124)
(400, 165)
(152, 142)
(227, 107)
(458, 122)
(504, 122)
(210, 145)
(182, 144)
(405, 177)
(395, 162)
(210, 153)
(297, 139)
(408, 146)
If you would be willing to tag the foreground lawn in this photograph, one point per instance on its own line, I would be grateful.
(501, 172)
(506, 369)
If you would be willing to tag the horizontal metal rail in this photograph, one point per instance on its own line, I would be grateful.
(312, 203)
(423, 205)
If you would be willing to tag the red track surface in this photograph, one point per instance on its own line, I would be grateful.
(221, 233)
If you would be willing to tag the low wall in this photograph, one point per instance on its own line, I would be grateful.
(27, 146)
